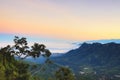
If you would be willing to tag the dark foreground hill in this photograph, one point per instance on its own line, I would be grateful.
(96, 58)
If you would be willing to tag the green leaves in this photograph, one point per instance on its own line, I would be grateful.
(38, 47)
(22, 50)
(47, 53)
(14, 69)
(20, 41)
(64, 73)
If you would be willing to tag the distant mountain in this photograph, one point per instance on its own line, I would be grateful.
(57, 54)
(42, 59)
(95, 56)
(104, 41)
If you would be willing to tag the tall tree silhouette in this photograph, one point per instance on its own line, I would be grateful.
(22, 50)
(5, 52)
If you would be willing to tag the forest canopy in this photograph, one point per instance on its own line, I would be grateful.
(13, 66)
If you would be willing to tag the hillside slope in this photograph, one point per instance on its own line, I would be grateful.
(93, 54)
(96, 57)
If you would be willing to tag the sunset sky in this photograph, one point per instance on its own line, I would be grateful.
(69, 20)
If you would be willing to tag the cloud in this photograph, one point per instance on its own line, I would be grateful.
(54, 45)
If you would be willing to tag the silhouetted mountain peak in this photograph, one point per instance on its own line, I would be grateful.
(94, 54)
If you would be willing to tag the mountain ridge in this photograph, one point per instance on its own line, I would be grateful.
(95, 48)
(100, 58)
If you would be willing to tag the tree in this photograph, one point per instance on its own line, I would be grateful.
(13, 69)
(7, 66)
(38, 49)
(6, 54)
(22, 50)
(17, 69)
(64, 73)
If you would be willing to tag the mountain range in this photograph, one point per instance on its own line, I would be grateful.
(90, 61)
(95, 58)
(93, 54)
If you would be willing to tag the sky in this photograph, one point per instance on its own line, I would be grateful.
(60, 21)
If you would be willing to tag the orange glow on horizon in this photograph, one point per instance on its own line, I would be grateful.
(60, 20)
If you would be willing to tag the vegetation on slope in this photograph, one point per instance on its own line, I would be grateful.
(93, 61)
(12, 66)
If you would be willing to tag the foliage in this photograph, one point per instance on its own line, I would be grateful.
(22, 50)
(13, 67)
(64, 73)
